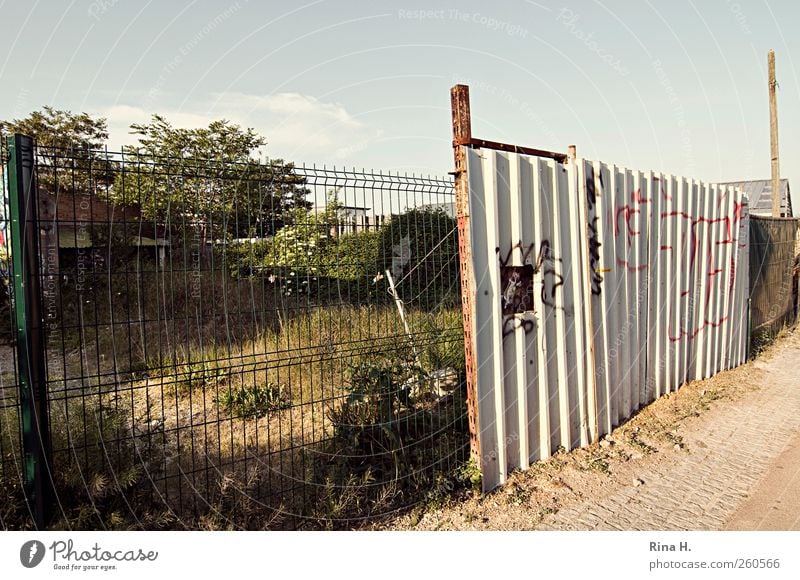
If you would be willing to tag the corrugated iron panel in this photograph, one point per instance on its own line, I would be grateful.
(598, 289)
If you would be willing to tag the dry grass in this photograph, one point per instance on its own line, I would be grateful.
(191, 461)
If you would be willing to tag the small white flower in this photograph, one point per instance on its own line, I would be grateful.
(271, 278)
(378, 277)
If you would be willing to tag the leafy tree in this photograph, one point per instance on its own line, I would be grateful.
(69, 146)
(208, 179)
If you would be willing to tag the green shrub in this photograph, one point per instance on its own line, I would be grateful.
(430, 237)
(304, 259)
(353, 256)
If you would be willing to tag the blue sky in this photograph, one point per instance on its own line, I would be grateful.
(675, 86)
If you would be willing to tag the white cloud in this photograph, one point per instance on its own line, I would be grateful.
(120, 118)
(297, 127)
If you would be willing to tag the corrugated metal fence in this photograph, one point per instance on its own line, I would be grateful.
(598, 289)
(773, 293)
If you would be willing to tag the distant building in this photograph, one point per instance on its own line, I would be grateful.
(353, 219)
(759, 192)
(448, 207)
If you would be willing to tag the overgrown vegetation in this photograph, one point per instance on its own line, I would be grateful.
(105, 462)
(307, 257)
(395, 437)
(222, 351)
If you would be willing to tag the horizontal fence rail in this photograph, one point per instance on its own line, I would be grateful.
(598, 289)
(250, 344)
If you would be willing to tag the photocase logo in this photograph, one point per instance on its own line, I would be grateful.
(31, 553)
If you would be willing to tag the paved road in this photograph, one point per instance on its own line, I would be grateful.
(742, 471)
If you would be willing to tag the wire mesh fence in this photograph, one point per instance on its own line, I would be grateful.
(242, 344)
(773, 277)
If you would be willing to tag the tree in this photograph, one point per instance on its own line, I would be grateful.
(68, 147)
(208, 180)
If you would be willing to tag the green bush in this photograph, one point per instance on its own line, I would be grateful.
(353, 256)
(431, 238)
(305, 259)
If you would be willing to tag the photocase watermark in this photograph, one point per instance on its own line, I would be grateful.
(21, 103)
(493, 454)
(493, 24)
(511, 100)
(353, 148)
(569, 19)
(195, 268)
(100, 7)
(31, 553)
(67, 556)
(631, 320)
(739, 16)
(678, 114)
(185, 49)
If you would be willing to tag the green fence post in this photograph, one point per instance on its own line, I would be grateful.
(36, 443)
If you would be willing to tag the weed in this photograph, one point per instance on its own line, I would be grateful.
(517, 495)
(599, 464)
(199, 374)
(254, 401)
(633, 440)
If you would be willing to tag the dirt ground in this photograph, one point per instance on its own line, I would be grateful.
(652, 440)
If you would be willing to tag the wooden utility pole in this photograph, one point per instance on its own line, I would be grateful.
(462, 133)
(773, 137)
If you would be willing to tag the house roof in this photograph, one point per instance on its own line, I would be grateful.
(759, 192)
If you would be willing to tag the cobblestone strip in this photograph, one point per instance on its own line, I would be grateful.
(725, 459)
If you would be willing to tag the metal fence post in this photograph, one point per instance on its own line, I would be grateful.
(462, 132)
(24, 228)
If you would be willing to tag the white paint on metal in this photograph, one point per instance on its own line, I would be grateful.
(639, 285)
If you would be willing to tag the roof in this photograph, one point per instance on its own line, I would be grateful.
(759, 192)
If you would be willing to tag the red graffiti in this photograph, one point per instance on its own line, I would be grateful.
(722, 231)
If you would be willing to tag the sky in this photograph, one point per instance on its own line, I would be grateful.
(676, 86)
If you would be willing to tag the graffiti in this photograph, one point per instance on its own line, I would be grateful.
(544, 264)
(517, 285)
(630, 212)
(551, 280)
(594, 238)
(524, 253)
(721, 232)
(512, 323)
(626, 220)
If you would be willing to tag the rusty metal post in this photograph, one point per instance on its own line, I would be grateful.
(572, 153)
(462, 132)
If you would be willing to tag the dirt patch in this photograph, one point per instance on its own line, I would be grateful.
(655, 437)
